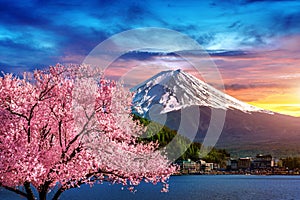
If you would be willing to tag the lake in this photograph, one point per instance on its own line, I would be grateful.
(191, 188)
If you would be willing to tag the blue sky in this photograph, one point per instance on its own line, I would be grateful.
(256, 41)
(42, 33)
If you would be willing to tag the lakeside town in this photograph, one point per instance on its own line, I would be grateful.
(258, 165)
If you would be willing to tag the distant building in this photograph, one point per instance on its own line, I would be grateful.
(228, 163)
(244, 163)
(209, 167)
(233, 164)
(202, 164)
(263, 161)
(216, 166)
(189, 166)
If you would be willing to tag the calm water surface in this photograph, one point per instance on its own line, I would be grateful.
(191, 188)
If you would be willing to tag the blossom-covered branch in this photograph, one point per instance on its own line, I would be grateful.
(69, 126)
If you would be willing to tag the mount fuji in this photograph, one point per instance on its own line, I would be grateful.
(247, 130)
(174, 90)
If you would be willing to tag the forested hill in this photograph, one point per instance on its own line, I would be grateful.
(164, 135)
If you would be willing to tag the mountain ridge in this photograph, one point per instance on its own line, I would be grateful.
(247, 130)
(176, 89)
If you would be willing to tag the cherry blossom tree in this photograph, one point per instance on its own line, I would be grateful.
(62, 127)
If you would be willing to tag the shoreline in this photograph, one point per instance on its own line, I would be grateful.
(235, 174)
(246, 173)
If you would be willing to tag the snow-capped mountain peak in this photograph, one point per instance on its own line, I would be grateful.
(174, 90)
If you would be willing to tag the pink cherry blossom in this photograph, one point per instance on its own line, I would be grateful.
(63, 127)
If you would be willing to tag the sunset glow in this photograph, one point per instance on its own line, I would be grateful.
(254, 44)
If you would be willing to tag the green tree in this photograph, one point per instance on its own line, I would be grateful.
(164, 135)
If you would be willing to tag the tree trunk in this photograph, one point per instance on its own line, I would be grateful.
(43, 190)
(29, 192)
(42, 195)
(58, 193)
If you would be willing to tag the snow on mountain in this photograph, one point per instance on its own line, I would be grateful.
(174, 90)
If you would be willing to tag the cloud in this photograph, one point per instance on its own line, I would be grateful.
(13, 13)
(63, 29)
(225, 53)
(140, 56)
(285, 22)
(237, 86)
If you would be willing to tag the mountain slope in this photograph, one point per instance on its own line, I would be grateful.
(174, 90)
(247, 129)
(247, 134)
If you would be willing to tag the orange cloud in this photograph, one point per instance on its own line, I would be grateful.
(267, 78)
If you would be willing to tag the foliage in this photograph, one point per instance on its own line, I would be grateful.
(163, 135)
(63, 127)
(217, 156)
(156, 132)
(291, 162)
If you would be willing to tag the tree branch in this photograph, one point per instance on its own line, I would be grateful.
(58, 193)
(14, 190)
(45, 92)
(77, 136)
(18, 114)
(29, 121)
(59, 133)
(82, 181)
(29, 192)
(64, 188)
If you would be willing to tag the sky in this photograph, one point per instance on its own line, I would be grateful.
(253, 43)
